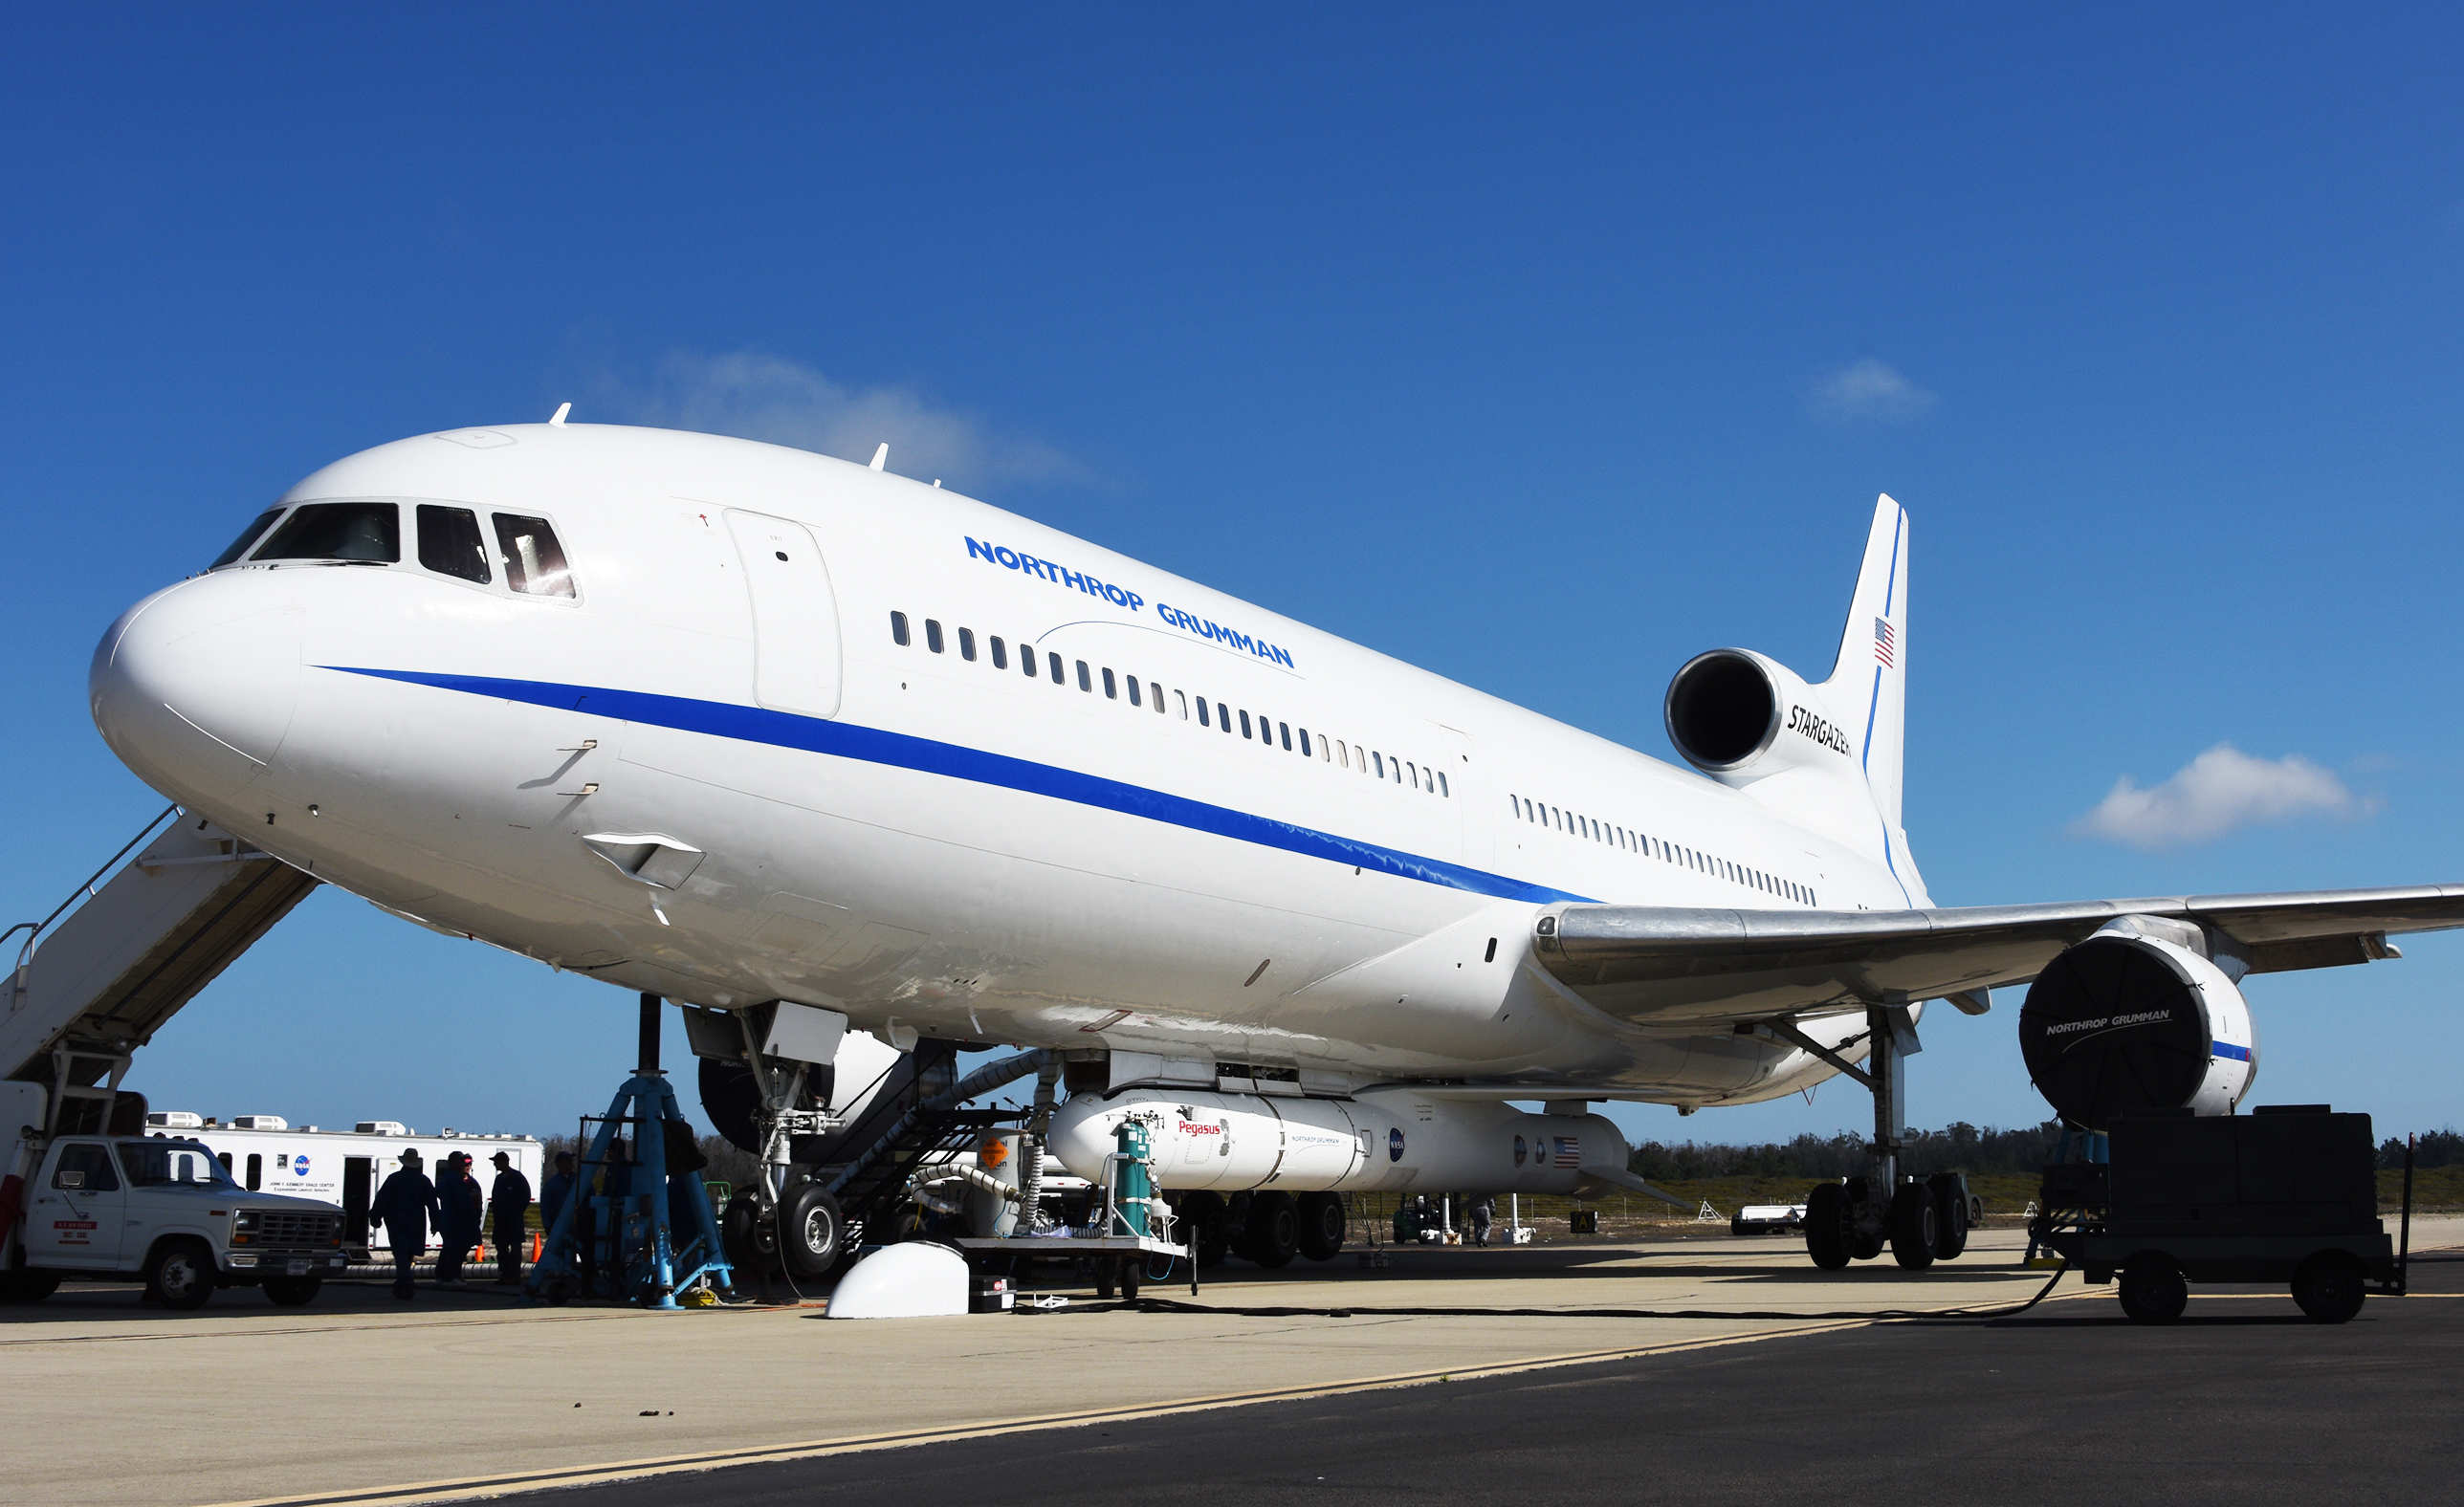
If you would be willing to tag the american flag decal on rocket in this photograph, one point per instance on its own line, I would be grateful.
(1886, 642)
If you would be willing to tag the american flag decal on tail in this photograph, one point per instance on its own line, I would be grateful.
(1886, 642)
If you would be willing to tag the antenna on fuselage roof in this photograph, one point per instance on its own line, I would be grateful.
(562, 409)
(881, 456)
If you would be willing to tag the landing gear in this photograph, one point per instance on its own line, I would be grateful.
(1322, 1222)
(1921, 1220)
(1916, 1226)
(750, 1239)
(1274, 1229)
(811, 1232)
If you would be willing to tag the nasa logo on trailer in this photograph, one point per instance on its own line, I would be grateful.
(300, 1165)
(1518, 1150)
(1395, 1145)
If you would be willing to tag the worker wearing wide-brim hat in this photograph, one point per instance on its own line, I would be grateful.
(457, 1193)
(405, 1204)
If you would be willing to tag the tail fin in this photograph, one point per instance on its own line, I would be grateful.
(1868, 682)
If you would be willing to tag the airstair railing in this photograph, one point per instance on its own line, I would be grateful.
(34, 929)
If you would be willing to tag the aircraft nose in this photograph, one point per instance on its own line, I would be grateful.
(194, 687)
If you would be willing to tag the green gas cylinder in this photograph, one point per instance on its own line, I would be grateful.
(1131, 1184)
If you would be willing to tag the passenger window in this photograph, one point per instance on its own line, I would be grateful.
(933, 634)
(249, 535)
(1444, 793)
(898, 629)
(1134, 688)
(1415, 770)
(1201, 714)
(1053, 661)
(450, 542)
(1380, 760)
(1001, 654)
(1110, 692)
(368, 532)
(85, 1169)
(1305, 744)
(1183, 697)
(1286, 728)
(1245, 724)
(533, 562)
(966, 643)
(1086, 683)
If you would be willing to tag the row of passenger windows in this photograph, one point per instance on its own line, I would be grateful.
(1375, 763)
(450, 542)
(1574, 824)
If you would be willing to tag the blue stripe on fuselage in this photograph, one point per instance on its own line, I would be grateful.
(901, 751)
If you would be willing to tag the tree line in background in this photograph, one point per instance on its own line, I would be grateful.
(1956, 1148)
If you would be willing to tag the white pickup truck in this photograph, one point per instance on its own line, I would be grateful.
(101, 1206)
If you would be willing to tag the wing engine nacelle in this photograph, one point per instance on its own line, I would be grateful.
(2126, 1021)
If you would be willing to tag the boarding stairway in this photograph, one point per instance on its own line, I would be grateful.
(97, 977)
(901, 1132)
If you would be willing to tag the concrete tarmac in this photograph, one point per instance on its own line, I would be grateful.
(361, 1399)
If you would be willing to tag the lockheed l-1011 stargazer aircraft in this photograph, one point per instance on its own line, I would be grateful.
(770, 734)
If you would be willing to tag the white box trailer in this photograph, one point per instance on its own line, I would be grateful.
(345, 1168)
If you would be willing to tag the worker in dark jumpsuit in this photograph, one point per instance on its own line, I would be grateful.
(457, 1193)
(403, 1205)
(509, 1205)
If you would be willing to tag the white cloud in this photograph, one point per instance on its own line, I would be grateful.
(1870, 389)
(757, 397)
(2223, 790)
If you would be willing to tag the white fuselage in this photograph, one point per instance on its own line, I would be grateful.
(918, 839)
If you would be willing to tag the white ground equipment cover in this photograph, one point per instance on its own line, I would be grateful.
(915, 1280)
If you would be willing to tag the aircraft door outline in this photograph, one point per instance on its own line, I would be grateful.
(797, 663)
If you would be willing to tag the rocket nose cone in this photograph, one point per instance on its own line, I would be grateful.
(194, 688)
(1081, 1136)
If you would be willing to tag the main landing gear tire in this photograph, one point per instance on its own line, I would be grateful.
(811, 1230)
(1321, 1225)
(2151, 1290)
(750, 1240)
(1274, 1229)
(2328, 1286)
(181, 1273)
(1950, 1241)
(1826, 1226)
(1916, 1226)
(293, 1292)
(1201, 1216)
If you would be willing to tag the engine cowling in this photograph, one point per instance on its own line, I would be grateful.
(1741, 717)
(2122, 1021)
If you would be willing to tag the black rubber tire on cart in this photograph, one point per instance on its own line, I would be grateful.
(750, 1242)
(1826, 1226)
(1321, 1224)
(2151, 1289)
(1916, 1226)
(2328, 1286)
(1274, 1229)
(811, 1230)
(1951, 1232)
(1106, 1275)
(180, 1274)
(1131, 1270)
(22, 1286)
(293, 1292)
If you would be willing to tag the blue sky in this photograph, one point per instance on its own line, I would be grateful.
(1543, 348)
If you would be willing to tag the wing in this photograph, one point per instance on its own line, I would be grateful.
(1696, 968)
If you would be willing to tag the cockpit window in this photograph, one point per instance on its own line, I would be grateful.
(533, 562)
(337, 531)
(450, 542)
(248, 536)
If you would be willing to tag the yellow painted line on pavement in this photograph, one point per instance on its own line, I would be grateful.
(416, 1494)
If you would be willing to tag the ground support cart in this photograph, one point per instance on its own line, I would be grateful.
(1121, 1262)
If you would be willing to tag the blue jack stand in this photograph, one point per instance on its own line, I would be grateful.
(619, 1239)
